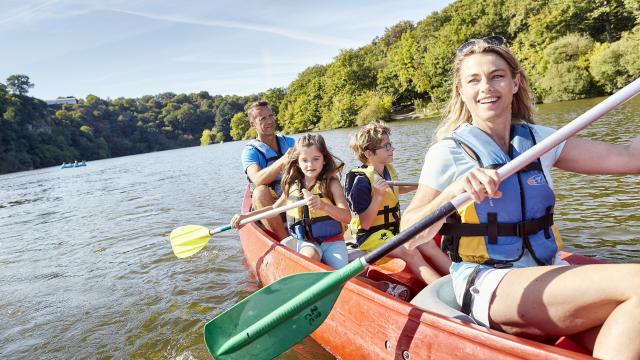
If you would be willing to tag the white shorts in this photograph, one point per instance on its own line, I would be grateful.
(485, 285)
(482, 290)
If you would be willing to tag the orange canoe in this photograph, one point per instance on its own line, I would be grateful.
(368, 324)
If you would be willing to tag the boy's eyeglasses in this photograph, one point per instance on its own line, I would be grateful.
(386, 146)
(495, 40)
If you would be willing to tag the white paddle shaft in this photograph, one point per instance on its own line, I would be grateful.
(401, 183)
(273, 212)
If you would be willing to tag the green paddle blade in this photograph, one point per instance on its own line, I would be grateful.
(221, 330)
(278, 316)
(188, 240)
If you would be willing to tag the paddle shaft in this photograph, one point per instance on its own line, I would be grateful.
(511, 167)
(264, 215)
(401, 183)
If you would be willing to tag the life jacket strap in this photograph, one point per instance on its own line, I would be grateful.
(389, 210)
(493, 229)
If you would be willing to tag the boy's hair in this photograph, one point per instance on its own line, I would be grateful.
(368, 137)
(292, 173)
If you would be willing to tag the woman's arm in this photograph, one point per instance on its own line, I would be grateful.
(587, 156)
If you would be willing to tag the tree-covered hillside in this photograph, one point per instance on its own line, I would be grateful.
(570, 49)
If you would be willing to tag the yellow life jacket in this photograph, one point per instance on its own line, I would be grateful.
(387, 222)
(311, 225)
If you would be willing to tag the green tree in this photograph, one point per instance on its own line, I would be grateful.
(19, 84)
(615, 65)
(565, 81)
(206, 139)
(393, 34)
(239, 125)
(607, 19)
(300, 109)
(397, 77)
(373, 106)
(351, 73)
(567, 76)
(634, 7)
(274, 97)
(224, 113)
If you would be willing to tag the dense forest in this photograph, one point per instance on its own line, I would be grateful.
(570, 50)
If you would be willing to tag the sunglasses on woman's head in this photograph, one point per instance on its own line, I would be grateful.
(495, 40)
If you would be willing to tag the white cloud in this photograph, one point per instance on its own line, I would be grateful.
(208, 59)
(42, 11)
(288, 33)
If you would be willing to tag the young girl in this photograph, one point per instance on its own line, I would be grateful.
(318, 226)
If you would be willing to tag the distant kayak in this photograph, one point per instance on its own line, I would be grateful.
(74, 165)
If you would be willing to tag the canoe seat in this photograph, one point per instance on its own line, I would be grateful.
(439, 298)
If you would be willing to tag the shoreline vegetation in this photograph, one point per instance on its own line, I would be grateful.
(571, 50)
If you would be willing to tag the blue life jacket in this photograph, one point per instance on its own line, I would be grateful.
(270, 155)
(312, 225)
(497, 231)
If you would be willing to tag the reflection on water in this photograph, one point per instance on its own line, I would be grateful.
(86, 269)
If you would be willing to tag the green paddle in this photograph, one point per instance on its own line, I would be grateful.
(279, 315)
(189, 239)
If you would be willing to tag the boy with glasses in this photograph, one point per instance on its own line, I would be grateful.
(377, 204)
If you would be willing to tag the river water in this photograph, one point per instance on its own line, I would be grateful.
(87, 271)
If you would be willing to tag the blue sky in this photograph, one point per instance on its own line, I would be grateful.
(116, 48)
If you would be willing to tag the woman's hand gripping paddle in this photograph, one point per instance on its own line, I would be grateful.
(278, 316)
(189, 239)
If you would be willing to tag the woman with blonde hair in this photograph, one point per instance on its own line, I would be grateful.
(504, 246)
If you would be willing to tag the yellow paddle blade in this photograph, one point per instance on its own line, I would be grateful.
(188, 240)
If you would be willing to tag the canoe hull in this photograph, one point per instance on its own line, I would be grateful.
(367, 324)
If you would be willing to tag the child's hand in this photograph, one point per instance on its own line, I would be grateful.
(284, 158)
(313, 201)
(380, 186)
(235, 221)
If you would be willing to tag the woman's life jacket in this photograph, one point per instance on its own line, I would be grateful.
(388, 217)
(497, 231)
(270, 156)
(311, 225)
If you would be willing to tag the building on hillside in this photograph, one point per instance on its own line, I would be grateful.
(61, 101)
